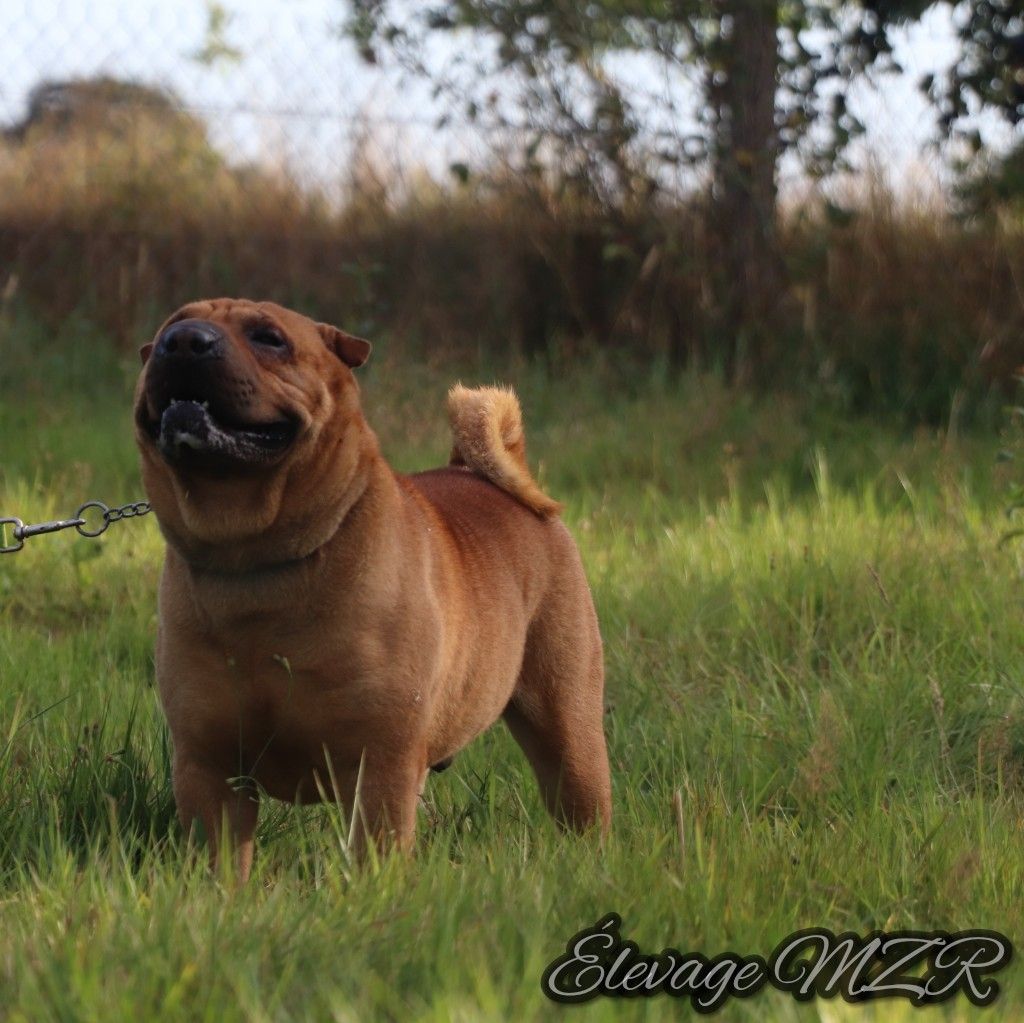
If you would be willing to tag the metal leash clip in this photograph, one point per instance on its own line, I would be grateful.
(19, 541)
(20, 532)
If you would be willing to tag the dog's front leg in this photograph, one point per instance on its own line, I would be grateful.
(384, 803)
(227, 812)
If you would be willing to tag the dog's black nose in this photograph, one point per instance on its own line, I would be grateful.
(190, 339)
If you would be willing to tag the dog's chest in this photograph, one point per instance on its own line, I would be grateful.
(276, 705)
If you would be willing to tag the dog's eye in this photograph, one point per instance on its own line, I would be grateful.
(267, 337)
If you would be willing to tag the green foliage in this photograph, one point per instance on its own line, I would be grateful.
(575, 107)
(1010, 454)
(216, 50)
(991, 185)
(811, 636)
(987, 77)
(989, 70)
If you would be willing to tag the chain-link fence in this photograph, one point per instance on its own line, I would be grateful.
(273, 85)
(153, 152)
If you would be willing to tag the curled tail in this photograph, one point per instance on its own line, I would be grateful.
(487, 427)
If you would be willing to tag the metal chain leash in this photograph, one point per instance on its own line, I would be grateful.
(20, 532)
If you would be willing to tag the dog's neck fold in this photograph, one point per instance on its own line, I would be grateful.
(292, 539)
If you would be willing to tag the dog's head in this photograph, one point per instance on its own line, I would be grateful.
(247, 417)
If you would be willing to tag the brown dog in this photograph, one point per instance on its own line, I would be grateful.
(326, 621)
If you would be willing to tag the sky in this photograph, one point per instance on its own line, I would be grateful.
(300, 96)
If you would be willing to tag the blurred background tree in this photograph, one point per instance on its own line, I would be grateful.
(987, 77)
(768, 77)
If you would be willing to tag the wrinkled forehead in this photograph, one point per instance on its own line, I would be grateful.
(242, 312)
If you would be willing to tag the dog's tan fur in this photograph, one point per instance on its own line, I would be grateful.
(487, 428)
(324, 618)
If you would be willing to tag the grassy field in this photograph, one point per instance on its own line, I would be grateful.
(811, 635)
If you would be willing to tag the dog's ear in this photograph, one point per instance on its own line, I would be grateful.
(352, 350)
(145, 352)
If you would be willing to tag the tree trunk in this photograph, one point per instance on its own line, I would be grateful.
(746, 148)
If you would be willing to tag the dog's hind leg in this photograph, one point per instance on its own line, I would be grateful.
(556, 715)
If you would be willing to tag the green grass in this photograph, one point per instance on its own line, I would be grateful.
(811, 634)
